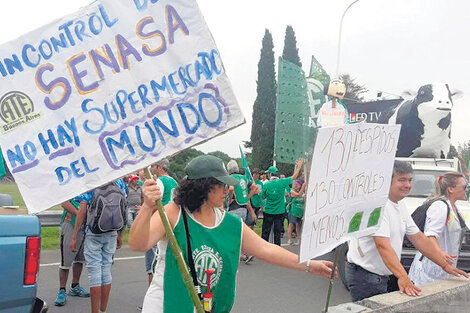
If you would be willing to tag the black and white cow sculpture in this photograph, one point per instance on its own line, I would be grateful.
(425, 122)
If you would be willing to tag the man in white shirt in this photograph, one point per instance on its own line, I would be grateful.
(372, 259)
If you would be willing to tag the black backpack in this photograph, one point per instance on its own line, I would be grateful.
(419, 217)
(107, 210)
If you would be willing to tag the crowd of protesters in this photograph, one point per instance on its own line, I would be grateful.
(208, 193)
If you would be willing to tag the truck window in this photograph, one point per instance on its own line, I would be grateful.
(422, 184)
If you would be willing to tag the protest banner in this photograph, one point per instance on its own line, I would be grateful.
(106, 91)
(348, 184)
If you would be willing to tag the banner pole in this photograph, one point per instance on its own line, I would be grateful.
(175, 248)
(330, 286)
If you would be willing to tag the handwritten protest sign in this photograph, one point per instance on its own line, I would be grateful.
(106, 91)
(348, 184)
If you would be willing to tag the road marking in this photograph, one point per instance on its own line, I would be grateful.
(123, 258)
(49, 264)
(116, 259)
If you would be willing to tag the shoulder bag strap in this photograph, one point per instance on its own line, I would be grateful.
(190, 254)
(448, 211)
(463, 225)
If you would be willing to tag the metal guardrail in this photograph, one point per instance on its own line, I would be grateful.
(52, 218)
(49, 218)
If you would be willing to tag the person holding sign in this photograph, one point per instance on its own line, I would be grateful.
(275, 207)
(443, 226)
(209, 237)
(371, 260)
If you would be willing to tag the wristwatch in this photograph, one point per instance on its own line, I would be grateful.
(307, 266)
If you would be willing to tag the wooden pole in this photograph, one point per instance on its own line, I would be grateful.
(175, 248)
(331, 280)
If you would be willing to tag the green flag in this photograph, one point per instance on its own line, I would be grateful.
(2, 165)
(245, 166)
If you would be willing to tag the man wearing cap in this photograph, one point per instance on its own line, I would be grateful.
(274, 207)
(216, 239)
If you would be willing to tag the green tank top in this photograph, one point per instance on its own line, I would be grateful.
(216, 248)
(241, 190)
(297, 207)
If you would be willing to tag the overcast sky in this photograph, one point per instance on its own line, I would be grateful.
(386, 45)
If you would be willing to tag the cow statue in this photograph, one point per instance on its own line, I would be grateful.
(425, 122)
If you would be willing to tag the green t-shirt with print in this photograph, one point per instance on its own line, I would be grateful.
(274, 193)
(241, 190)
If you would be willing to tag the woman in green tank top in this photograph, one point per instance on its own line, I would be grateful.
(216, 240)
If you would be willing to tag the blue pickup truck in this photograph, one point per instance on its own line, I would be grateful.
(20, 247)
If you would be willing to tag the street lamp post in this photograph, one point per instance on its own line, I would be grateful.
(339, 36)
(337, 75)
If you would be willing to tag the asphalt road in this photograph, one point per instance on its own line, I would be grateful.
(261, 287)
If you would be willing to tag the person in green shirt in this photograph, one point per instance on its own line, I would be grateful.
(239, 195)
(239, 200)
(255, 199)
(162, 169)
(296, 211)
(70, 259)
(274, 208)
(287, 200)
(216, 239)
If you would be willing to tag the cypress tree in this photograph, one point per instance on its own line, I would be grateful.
(262, 127)
(290, 52)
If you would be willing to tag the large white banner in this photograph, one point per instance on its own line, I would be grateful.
(106, 91)
(348, 185)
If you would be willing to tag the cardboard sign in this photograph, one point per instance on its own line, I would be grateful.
(348, 184)
(107, 91)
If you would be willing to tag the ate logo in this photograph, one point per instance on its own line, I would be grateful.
(206, 258)
(16, 108)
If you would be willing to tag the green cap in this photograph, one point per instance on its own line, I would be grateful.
(272, 170)
(205, 166)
